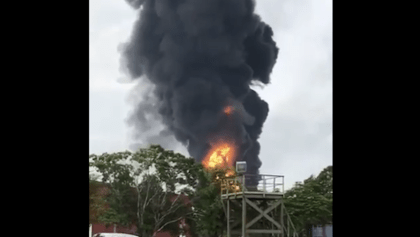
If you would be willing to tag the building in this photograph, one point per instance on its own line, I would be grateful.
(322, 231)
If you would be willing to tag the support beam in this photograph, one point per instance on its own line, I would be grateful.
(236, 203)
(255, 195)
(228, 218)
(266, 219)
(281, 219)
(243, 214)
(264, 231)
(224, 208)
(263, 213)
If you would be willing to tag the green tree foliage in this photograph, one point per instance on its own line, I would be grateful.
(147, 186)
(97, 204)
(324, 180)
(209, 215)
(116, 176)
(310, 203)
(111, 216)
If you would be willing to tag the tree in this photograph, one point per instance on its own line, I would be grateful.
(96, 200)
(115, 176)
(324, 180)
(208, 208)
(310, 203)
(175, 175)
(159, 178)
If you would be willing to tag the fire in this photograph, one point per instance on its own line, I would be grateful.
(220, 155)
(230, 173)
(228, 110)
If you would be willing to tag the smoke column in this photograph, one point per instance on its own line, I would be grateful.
(201, 56)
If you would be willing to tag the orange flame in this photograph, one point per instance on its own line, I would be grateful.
(221, 155)
(230, 173)
(228, 110)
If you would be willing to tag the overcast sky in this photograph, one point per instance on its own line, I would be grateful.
(297, 136)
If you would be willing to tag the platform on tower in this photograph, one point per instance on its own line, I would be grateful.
(255, 186)
(253, 205)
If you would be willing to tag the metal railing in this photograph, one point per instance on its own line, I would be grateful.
(253, 183)
(265, 184)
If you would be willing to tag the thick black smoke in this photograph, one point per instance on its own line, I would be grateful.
(202, 55)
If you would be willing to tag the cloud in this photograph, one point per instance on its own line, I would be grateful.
(297, 137)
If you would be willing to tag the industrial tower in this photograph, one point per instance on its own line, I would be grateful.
(255, 210)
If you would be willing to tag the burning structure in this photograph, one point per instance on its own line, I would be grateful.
(202, 56)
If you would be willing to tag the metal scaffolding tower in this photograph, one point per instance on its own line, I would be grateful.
(256, 210)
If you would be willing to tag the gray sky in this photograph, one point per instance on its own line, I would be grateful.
(297, 136)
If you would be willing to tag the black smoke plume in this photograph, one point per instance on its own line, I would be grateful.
(201, 56)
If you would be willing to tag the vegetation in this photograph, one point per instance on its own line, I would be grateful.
(310, 203)
(148, 187)
(156, 189)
